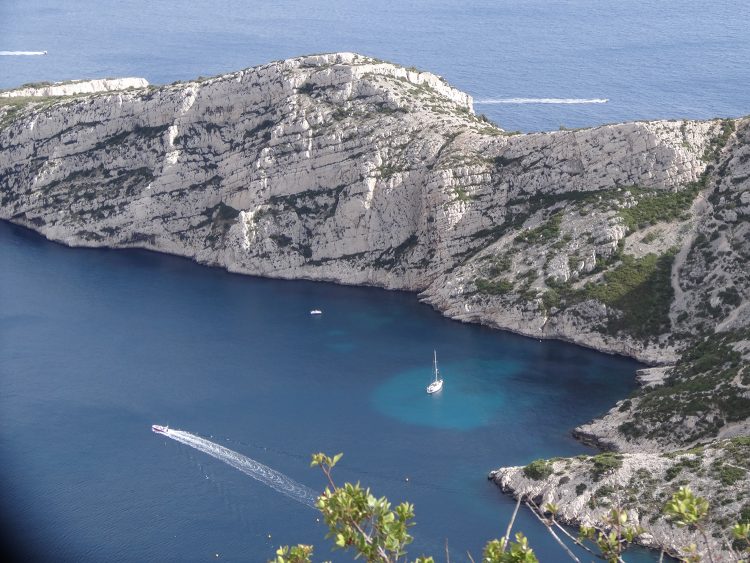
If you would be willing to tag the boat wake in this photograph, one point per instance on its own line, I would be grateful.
(21, 53)
(270, 477)
(541, 101)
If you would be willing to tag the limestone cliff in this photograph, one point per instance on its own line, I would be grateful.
(627, 238)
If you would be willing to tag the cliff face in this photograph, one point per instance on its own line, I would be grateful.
(627, 238)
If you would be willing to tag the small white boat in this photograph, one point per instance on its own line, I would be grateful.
(437, 383)
(316, 312)
(159, 429)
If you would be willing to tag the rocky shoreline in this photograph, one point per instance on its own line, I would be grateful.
(586, 488)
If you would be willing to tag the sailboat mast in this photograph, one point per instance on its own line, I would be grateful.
(435, 364)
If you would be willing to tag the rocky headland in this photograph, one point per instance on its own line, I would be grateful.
(631, 238)
(586, 488)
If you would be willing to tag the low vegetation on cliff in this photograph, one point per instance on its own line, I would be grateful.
(707, 390)
(649, 489)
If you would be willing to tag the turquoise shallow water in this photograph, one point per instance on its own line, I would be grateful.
(476, 394)
(97, 345)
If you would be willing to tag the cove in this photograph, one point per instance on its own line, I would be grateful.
(97, 345)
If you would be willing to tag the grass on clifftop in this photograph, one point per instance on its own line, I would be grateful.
(11, 108)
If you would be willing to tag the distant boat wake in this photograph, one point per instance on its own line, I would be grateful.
(21, 53)
(542, 101)
(270, 477)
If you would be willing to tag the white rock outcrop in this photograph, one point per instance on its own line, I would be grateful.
(74, 87)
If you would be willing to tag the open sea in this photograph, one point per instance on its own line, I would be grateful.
(97, 345)
(663, 59)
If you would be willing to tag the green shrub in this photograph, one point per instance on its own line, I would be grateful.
(574, 262)
(731, 296)
(498, 264)
(690, 463)
(672, 472)
(656, 206)
(641, 289)
(550, 299)
(729, 475)
(545, 232)
(500, 287)
(745, 515)
(719, 142)
(538, 469)
(605, 463)
(462, 195)
(631, 430)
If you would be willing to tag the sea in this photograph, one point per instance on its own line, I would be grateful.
(98, 345)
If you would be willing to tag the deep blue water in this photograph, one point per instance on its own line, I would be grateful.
(97, 345)
(652, 60)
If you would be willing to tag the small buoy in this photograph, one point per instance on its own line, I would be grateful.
(317, 519)
(407, 479)
(217, 555)
(269, 536)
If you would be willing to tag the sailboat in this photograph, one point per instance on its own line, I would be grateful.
(437, 384)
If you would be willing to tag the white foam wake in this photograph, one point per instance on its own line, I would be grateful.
(21, 53)
(542, 101)
(270, 477)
